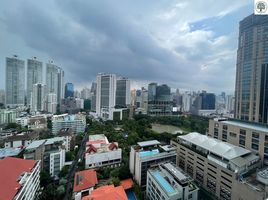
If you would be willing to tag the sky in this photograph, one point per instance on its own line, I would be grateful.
(187, 44)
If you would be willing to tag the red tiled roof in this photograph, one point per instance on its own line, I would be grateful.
(91, 148)
(10, 171)
(101, 141)
(85, 179)
(107, 192)
(127, 183)
(112, 146)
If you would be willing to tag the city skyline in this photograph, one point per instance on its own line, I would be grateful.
(140, 45)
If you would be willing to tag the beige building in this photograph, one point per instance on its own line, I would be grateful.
(225, 170)
(249, 135)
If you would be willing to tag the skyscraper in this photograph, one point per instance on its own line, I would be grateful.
(69, 90)
(122, 92)
(15, 82)
(52, 78)
(251, 90)
(34, 75)
(51, 103)
(38, 97)
(60, 95)
(106, 92)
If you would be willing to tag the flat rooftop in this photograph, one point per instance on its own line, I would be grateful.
(163, 182)
(175, 172)
(37, 143)
(218, 147)
(6, 152)
(148, 143)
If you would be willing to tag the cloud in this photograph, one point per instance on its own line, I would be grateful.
(143, 40)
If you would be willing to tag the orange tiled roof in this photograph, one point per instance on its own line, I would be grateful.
(127, 183)
(107, 192)
(85, 179)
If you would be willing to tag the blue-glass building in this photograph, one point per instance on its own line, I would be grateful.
(69, 90)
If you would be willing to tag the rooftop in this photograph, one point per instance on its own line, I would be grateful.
(223, 149)
(97, 139)
(127, 183)
(10, 170)
(85, 179)
(6, 152)
(148, 143)
(107, 192)
(35, 144)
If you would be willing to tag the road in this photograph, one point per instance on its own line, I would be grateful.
(70, 177)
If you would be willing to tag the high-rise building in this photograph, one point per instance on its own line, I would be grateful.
(186, 102)
(52, 78)
(105, 93)
(122, 92)
(34, 75)
(38, 97)
(2, 97)
(85, 93)
(51, 103)
(251, 87)
(230, 102)
(61, 91)
(15, 82)
(69, 90)
(152, 91)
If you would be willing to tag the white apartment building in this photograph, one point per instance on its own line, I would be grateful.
(52, 103)
(38, 97)
(76, 122)
(168, 182)
(100, 153)
(19, 179)
(146, 154)
(8, 116)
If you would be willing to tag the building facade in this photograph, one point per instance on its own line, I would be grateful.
(8, 116)
(147, 154)
(251, 70)
(168, 182)
(15, 82)
(34, 75)
(69, 90)
(122, 92)
(38, 97)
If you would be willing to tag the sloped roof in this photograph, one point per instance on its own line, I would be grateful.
(127, 183)
(107, 192)
(10, 170)
(215, 146)
(85, 179)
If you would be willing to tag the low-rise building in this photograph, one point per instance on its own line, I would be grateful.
(10, 152)
(147, 154)
(168, 182)
(20, 139)
(107, 192)
(69, 138)
(100, 152)
(225, 170)
(84, 183)
(19, 179)
(76, 122)
(8, 116)
(51, 152)
(37, 122)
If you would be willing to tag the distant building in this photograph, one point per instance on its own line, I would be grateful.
(147, 154)
(84, 183)
(141, 101)
(37, 122)
(69, 90)
(15, 86)
(19, 179)
(85, 93)
(107, 192)
(186, 102)
(34, 75)
(51, 152)
(8, 116)
(122, 98)
(71, 105)
(76, 122)
(51, 106)
(230, 103)
(204, 104)
(168, 182)
(101, 153)
(159, 100)
(38, 97)
(2, 97)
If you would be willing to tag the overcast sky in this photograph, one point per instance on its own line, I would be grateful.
(187, 44)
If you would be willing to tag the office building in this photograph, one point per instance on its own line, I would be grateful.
(71, 105)
(186, 102)
(51, 153)
(69, 90)
(76, 122)
(251, 136)
(19, 179)
(34, 75)
(230, 103)
(159, 100)
(15, 82)
(122, 92)
(101, 153)
(51, 106)
(61, 90)
(2, 97)
(105, 95)
(251, 70)
(86, 93)
(204, 104)
(8, 116)
(147, 154)
(141, 101)
(84, 183)
(38, 97)
(168, 182)
(225, 170)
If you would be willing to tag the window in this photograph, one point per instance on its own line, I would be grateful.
(232, 134)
